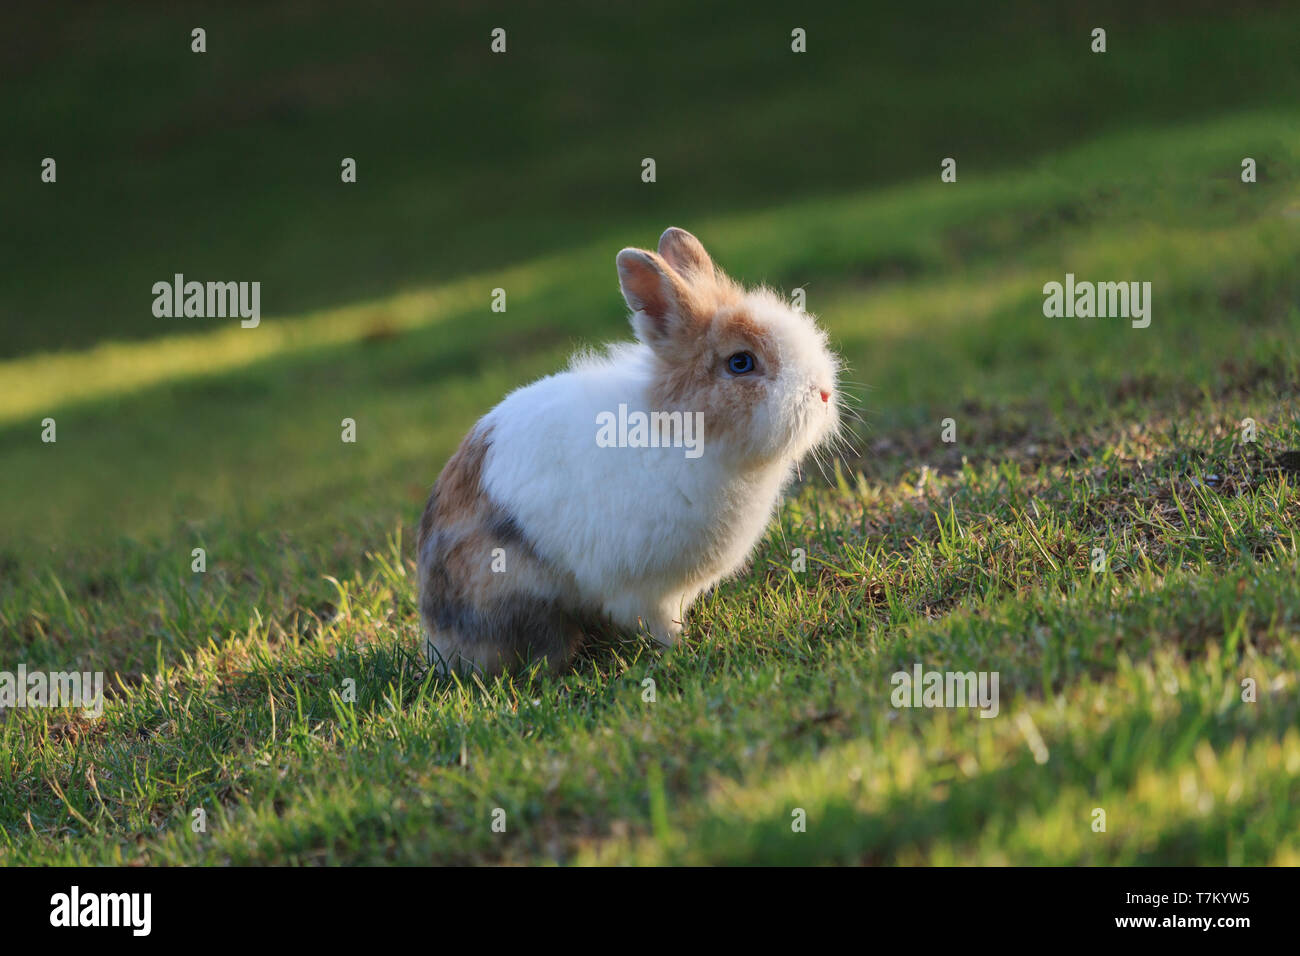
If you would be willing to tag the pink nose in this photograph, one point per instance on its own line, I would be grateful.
(826, 396)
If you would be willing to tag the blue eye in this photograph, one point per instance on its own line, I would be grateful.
(741, 363)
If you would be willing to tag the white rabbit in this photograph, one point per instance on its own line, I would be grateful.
(536, 525)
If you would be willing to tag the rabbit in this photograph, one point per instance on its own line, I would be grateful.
(535, 529)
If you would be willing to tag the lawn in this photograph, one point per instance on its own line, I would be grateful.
(1103, 531)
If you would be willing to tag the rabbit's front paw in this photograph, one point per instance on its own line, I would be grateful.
(660, 622)
(665, 632)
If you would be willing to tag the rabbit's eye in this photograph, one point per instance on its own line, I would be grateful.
(742, 363)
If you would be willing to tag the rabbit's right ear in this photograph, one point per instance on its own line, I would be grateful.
(685, 253)
(657, 296)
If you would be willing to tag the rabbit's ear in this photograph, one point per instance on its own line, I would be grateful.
(685, 253)
(657, 296)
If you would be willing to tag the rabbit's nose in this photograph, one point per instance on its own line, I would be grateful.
(826, 396)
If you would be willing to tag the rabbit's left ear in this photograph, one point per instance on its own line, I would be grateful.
(659, 299)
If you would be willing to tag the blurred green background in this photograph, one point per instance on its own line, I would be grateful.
(226, 164)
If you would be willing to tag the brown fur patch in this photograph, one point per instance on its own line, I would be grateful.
(459, 487)
(674, 308)
(698, 380)
(739, 324)
(689, 358)
(476, 614)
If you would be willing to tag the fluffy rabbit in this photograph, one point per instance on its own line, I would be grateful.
(555, 511)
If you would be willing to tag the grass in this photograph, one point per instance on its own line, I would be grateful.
(232, 691)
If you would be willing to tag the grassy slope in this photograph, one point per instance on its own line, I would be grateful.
(1119, 690)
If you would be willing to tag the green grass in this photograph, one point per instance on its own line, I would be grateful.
(1121, 689)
